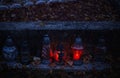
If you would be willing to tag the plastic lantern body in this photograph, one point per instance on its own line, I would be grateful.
(46, 49)
(100, 50)
(9, 50)
(77, 50)
(59, 53)
(25, 53)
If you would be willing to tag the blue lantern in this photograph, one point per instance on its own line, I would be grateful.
(100, 50)
(9, 50)
(25, 53)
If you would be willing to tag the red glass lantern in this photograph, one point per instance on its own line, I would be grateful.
(54, 55)
(77, 49)
(59, 54)
(77, 53)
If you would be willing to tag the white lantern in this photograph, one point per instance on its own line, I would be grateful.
(46, 49)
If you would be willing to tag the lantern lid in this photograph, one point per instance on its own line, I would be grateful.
(77, 47)
(78, 44)
(60, 47)
(46, 39)
(78, 41)
(9, 41)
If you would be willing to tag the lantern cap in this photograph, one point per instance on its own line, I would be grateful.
(60, 47)
(77, 47)
(78, 44)
(46, 39)
(78, 41)
(9, 41)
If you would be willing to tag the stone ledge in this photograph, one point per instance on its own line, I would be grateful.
(58, 25)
